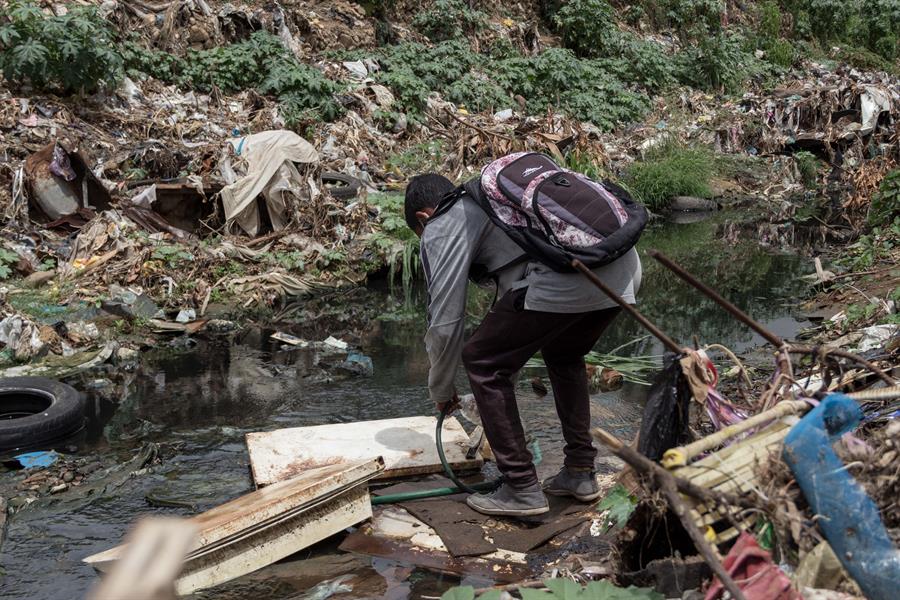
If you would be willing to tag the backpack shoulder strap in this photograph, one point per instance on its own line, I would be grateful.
(449, 199)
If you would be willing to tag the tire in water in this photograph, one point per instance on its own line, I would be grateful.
(35, 410)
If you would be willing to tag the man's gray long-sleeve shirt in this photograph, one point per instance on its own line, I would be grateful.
(462, 240)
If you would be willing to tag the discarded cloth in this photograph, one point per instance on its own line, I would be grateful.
(270, 158)
(754, 572)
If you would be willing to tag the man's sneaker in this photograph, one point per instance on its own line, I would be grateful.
(580, 484)
(508, 501)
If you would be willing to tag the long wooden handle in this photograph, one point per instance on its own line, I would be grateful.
(666, 340)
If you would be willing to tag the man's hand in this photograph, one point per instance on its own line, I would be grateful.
(453, 403)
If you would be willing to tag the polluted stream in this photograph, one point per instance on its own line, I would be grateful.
(197, 399)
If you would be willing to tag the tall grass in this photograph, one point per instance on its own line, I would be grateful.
(668, 170)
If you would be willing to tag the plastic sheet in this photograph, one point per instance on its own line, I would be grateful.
(665, 421)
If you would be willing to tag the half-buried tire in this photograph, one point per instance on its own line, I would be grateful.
(35, 410)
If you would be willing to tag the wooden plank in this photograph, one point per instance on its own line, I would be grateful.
(407, 446)
(269, 524)
(280, 541)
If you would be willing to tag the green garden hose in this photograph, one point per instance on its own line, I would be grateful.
(487, 486)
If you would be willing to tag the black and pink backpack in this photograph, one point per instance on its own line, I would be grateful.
(557, 215)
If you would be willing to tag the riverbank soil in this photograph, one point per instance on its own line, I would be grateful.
(203, 233)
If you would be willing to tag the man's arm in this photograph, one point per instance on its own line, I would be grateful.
(447, 252)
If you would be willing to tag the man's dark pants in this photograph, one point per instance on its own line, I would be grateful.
(502, 344)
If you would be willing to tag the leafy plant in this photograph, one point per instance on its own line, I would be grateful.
(74, 52)
(448, 20)
(694, 19)
(885, 204)
(717, 61)
(808, 167)
(172, 256)
(671, 170)
(422, 157)
(588, 27)
(396, 243)
(260, 62)
(585, 89)
(7, 260)
(871, 248)
(617, 507)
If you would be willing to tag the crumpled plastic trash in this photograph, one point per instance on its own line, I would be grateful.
(186, 315)
(327, 589)
(60, 165)
(42, 458)
(359, 364)
(469, 409)
(876, 336)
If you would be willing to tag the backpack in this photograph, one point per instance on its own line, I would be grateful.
(556, 215)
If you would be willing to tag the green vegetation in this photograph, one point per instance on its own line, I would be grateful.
(670, 170)
(74, 52)
(869, 28)
(885, 204)
(443, 20)
(585, 89)
(7, 260)
(872, 247)
(808, 168)
(616, 507)
(260, 62)
(562, 589)
(172, 256)
(396, 242)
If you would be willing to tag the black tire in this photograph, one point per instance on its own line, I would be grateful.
(342, 187)
(35, 410)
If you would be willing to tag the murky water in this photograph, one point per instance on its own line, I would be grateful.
(199, 402)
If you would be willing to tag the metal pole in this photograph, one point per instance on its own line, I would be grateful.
(734, 310)
(666, 340)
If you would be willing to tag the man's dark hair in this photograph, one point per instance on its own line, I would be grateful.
(424, 191)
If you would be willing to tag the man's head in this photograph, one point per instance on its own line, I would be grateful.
(422, 196)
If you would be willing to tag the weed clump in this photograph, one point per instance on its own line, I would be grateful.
(260, 62)
(444, 20)
(808, 168)
(670, 170)
(75, 52)
(885, 205)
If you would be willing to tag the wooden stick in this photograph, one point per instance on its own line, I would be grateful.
(825, 349)
(669, 484)
(676, 457)
(666, 340)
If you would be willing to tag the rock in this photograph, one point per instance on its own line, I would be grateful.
(39, 278)
(68, 477)
(692, 203)
(186, 315)
(538, 386)
(127, 355)
(220, 326)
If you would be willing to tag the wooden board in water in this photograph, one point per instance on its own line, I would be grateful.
(264, 526)
(407, 446)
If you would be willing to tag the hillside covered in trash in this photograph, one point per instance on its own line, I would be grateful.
(158, 146)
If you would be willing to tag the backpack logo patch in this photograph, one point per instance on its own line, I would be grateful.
(528, 172)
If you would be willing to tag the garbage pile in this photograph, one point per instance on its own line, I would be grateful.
(790, 494)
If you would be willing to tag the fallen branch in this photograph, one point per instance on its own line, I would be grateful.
(670, 486)
(826, 350)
